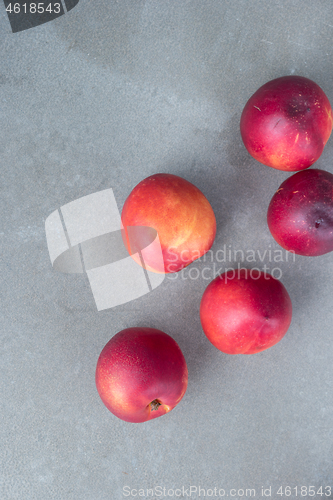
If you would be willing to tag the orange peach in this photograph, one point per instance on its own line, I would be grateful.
(181, 215)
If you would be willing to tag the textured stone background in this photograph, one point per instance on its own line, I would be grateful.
(102, 97)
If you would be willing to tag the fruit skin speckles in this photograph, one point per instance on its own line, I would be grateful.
(300, 214)
(293, 125)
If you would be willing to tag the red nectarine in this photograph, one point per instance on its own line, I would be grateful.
(286, 123)
(141, 374)
(300, 214)
(245, 311)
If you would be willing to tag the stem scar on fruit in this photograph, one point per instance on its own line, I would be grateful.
(155, 404)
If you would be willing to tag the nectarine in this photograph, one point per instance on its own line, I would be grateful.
(300, 214)
(286, 123)
(181, 215)
(141, 374)
(245, 311)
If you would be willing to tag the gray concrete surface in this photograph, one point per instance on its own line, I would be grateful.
(102, 97)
